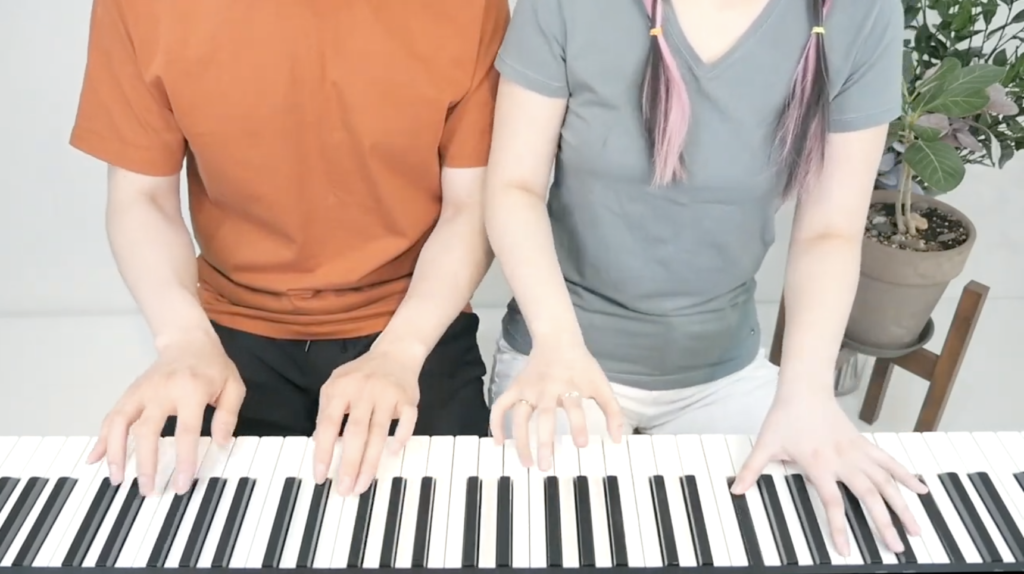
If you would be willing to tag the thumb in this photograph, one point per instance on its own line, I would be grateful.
(225, 417)
(759, 458)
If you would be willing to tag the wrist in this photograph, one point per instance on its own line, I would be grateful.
(407, 351)
(184, 334)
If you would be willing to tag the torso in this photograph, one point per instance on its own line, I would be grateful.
(663, 279)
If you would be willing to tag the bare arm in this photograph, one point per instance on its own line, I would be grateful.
(527, 126)
(824, 260)
(450, 267)
(154, 253)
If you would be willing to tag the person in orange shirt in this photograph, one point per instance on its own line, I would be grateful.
(334, 154)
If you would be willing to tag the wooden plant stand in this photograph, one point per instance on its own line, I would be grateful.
(940, 370)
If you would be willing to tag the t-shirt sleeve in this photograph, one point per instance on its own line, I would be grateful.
(466, 141)
(533, 55)
(872, 93)
(122, 119)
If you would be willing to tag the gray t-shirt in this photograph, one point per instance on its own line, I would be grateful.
(663, 278)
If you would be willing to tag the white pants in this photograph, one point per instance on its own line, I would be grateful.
(736, 404)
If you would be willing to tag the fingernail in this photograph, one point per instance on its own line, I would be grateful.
(145, 485)
(345, 486)
(114, 472)
(363, 484)
(320, 471)
(181, 482)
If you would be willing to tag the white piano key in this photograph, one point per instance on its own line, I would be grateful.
(822, 518)
(83, 473)
(293, 541)
(25, 463)
(144, 533)
(641, 462)
(567, 467)
(691, 457)
(1002, 466)
(491, 465)
(716, 453)
(917, 543)
(514, 469)
(921, 457)
(739, 450)
(414, 468)
(464, 465)
(439, 467)
(1013, 442)
(239, 463)
(62, 465)
(332, 515)
(616, 462)
(974, 459)
(6, 445)
(390, 467)
(949, 460)
(100, 472)
(212, 466)
(929, 538)
(289, 465)
(592, 467)
(538, 524)
(777, 471)
(667, 464)
(130, 473)
(268, 452)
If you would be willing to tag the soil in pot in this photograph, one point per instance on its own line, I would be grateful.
(942, 231)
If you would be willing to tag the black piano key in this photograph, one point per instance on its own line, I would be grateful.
(201, 527)
(123, 523)
(314, 521)
(663, 520)
(19, 512)
(552, 522)
(361, 528)
(616, 527)
(90, 524)
(695, 514)
(970, 517)
(471, 523)
(941, 528)
(233, 522)
(169, 529)
(907, 556)
(746, 524)
(584, 522)
(860, 527)
(44, 522)
(808, 520)
(282, 520)
(777, 520)
(503, 543)
(1000, 514)
(392, 523)
(1019, 476)
(424, 516)
(7, 485)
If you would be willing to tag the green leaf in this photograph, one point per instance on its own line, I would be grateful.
(937, 164)
(945, 70)
(958, 103)
(975, 77)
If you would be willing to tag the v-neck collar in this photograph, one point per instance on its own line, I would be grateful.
(699, 66)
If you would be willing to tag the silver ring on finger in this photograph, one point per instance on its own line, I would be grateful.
(526, 403)
(571, 395)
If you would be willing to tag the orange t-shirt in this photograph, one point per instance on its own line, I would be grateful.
(313, 133)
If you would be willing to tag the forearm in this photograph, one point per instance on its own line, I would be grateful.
(451, 265)
(520, 232)
(821, 283)
(155, 256)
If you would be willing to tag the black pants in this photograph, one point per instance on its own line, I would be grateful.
(283, 379)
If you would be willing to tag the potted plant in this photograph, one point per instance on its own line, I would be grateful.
(963, 93)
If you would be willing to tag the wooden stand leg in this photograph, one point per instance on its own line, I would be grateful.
(940, 370)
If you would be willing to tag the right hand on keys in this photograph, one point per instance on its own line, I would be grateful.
(186, 377)
(552, 379)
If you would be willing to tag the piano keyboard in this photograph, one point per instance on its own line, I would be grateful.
(462, 502)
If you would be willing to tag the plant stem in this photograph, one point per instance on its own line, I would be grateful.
(904, 223)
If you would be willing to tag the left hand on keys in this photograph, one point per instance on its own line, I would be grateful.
(372, 390)
(818, 436)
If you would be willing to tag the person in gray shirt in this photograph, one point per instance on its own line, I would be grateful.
(677, 129)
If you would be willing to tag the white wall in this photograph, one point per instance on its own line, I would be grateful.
(54, 261)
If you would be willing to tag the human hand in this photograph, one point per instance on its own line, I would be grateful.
(372, 390)
(818, 436)
(552, 379)
(188, 375)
